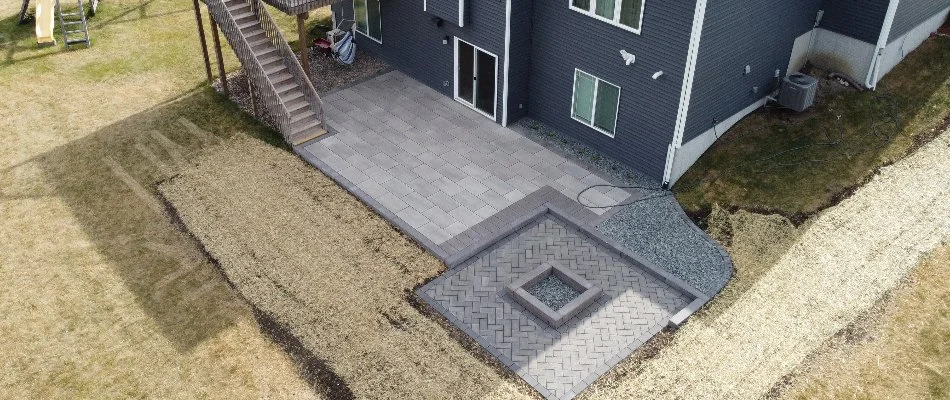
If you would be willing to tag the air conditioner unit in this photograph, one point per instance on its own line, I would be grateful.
(798, 92)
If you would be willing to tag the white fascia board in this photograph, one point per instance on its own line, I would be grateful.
(692, 56)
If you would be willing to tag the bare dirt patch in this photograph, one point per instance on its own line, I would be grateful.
(334, 274)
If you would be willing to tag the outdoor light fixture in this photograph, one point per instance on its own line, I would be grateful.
(628, 57)
(445, 40)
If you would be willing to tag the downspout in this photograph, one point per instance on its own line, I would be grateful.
(875, 68)
(692, 56)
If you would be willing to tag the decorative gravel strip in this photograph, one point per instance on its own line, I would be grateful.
(553, 292)
(657, 229)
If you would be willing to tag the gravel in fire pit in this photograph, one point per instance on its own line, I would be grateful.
(553, 292)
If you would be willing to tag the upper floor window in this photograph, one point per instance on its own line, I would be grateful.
(627, 14)
(368, 20)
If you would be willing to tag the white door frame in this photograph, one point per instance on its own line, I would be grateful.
(494, 114)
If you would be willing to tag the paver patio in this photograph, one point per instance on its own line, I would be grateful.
(636, 303)
(495, 205)
(437, 167)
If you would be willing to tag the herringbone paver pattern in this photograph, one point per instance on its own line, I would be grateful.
(558, 362)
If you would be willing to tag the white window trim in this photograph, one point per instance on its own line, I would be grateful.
(593, 114)
(494, 115)
(616, 21)
(366, 34)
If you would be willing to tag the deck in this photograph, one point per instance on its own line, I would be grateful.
(295, 7)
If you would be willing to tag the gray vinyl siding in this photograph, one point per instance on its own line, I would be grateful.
(911, 13)
(412, 43)
(445, 9)
(859, 19)
(563, 39)
(519, 75)
(737, 33)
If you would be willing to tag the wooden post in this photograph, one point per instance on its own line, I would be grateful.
(302, 32)
(250, 92)
(204, 43)
(217, 51)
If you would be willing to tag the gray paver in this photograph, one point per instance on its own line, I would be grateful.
(397, 138)
(558, 362)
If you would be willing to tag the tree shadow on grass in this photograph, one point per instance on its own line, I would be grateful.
(107, 179)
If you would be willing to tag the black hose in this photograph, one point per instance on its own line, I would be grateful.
(890, 111)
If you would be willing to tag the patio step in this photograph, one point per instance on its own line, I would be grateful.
(272, 65)
(307, 135)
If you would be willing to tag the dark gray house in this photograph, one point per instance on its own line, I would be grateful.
(651, 83)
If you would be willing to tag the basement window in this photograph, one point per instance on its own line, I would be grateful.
(627, 14)
(595, 102)
(368, 19)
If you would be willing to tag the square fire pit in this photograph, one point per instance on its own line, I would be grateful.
(551, 285)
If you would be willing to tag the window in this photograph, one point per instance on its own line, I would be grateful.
(627, 14)
(595, 102)
(368, 21)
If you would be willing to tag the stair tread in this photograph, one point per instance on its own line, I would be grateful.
(301, 114)
(288, 98)
(285, 87)
(310, 123)
(296, 105)
(280, 77)
(262, 50)
(305, 136)
(274, 70)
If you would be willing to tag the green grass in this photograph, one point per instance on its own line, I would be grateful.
(797, 164)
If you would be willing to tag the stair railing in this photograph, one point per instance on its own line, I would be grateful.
(252, 66)
(290, 60)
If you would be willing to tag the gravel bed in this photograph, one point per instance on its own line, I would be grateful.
(553, 292)
(656, 228)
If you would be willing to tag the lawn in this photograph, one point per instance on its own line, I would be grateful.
(104, 296)
(333, 274)
(900, 351)
(775, 161)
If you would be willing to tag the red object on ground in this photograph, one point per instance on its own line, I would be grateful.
(323, 46)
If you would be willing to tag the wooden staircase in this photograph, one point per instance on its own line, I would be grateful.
(272, 66)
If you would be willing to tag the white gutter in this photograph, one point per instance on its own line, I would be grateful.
(873, 73)
(692, 56)
(504, 91)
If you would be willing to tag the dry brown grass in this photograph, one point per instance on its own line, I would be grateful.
(903, 353)
(838, 266)
(331, 271)
(102, 297)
